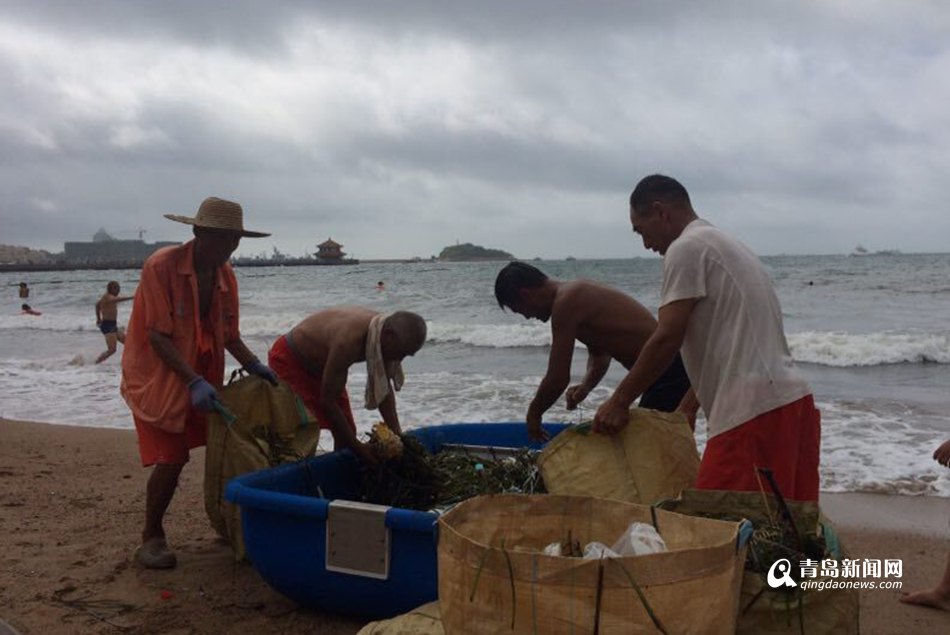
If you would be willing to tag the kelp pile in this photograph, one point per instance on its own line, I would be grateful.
(424, 481)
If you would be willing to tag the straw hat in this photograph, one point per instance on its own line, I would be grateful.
(217, 213)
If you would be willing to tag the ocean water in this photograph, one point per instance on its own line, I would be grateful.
(871, 333)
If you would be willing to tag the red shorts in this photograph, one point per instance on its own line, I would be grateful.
(786, 440)
(156, 446)
(307, 384)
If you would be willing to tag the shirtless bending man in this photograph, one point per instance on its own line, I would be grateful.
(609, 322)
(315, 357)
(107, 315)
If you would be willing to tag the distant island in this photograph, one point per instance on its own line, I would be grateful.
(467, 252)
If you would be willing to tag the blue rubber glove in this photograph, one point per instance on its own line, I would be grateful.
(262, 371)
(203, 394)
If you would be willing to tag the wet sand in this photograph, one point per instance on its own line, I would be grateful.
(71, 502)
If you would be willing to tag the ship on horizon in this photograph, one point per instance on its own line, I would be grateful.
(861, 251)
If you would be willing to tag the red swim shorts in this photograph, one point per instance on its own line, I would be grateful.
(786, 440)
(307, 384)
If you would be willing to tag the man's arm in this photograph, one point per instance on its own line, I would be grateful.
(108, 299)
(597, 365)
(654, 359)
(557, 377)
(240, 351)
(332, 386)
(249, 361)
(387, 409)
(689, 406)
(99, 312)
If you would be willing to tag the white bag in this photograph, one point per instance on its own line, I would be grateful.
(597, 550)
(639, 540)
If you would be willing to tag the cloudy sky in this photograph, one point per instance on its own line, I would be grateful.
(399, 127)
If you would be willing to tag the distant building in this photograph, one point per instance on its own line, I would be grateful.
(105, 249)
(14, 254)
(330, 250)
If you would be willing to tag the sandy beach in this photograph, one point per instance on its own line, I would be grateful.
(71, 501)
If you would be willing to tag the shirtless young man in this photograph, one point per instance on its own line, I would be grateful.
(315, 357)
(107, 315)
(609, 322)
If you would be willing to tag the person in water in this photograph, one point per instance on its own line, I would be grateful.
(107, 314)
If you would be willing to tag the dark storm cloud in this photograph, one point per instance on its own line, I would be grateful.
(369, 120)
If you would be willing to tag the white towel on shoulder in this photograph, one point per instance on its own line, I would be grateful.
(378, 372)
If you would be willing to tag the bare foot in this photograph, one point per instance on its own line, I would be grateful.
(933, 598)
(104, 356)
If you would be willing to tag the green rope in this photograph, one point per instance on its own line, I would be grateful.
(511, 579)
(643, 599)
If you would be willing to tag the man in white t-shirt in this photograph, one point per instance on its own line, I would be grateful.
(719, 309)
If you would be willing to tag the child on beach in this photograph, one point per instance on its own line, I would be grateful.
(939, 596)
(26, 309)
(107, 313)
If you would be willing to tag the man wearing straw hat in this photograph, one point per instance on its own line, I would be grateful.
(184, 316)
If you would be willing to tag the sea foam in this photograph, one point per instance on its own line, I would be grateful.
(828, 348)
(869, 349)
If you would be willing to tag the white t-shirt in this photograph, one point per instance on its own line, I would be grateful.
(734, 351)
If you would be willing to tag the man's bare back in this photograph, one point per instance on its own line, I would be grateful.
(335, 335)
(604, 319)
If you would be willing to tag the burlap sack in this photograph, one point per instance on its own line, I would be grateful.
(272, 426)
(425, 620)
(772, 612)
(494, 578)
(652, 459)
